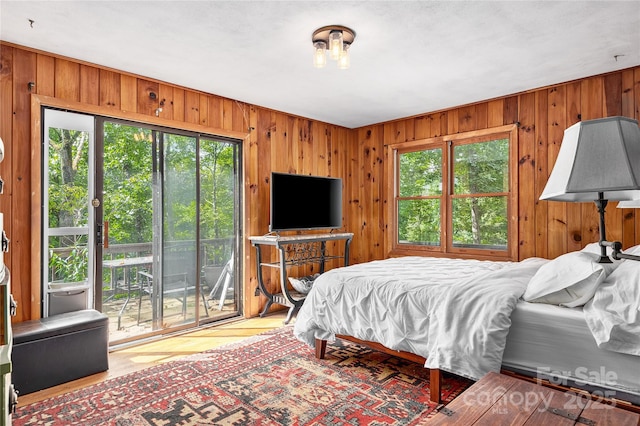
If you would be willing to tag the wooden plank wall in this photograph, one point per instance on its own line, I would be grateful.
(281, 142)
(545, 229)
(275, 142)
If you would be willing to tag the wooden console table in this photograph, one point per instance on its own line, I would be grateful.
(501, 399)
(294, 250)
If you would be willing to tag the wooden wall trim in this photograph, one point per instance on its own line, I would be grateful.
(35, 306)
(514, 186)
(49, 101)
(509, 128)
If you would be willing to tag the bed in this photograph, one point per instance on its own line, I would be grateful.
(570, 321)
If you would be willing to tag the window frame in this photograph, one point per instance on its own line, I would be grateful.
(446, 143)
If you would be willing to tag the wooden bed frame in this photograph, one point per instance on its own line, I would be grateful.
(435, 375)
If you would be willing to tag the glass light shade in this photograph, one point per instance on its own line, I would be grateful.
(320, 56)
(335, 44)
(597, 156)
(344, 62)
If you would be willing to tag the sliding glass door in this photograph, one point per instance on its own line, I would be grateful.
(219, 222)
(176, 239)
(160, 228)
(126, 214)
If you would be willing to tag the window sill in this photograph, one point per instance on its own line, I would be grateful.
(465, 254)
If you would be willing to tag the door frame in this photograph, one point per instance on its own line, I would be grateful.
(57, 118)
(38, 102)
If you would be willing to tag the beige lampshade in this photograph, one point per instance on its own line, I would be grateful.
(629, 204)
(600, 155)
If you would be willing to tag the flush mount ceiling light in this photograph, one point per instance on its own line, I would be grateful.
(335, 39)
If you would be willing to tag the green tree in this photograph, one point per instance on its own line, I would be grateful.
(420, 176)
(128, 164)
(67, 206)
(127, 188)
(480, 179)
(480, 168)
(217, 192)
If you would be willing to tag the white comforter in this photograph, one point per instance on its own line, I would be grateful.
(454, 312)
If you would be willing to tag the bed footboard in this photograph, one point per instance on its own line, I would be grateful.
(435, 375)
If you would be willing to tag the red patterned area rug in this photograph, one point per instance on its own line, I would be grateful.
(269, 379)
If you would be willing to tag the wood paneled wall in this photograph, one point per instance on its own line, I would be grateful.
(545, 229)
(275, 141)
(272, 141)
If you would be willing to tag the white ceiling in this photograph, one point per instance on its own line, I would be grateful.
(408, 58)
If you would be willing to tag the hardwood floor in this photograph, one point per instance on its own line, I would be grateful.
(134, 358)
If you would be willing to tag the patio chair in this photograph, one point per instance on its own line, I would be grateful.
(224, 279)
(173, 285)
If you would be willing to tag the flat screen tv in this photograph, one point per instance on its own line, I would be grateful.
(300, 202)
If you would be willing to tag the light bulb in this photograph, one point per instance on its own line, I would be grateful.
(335, 44)
(320, 56)
(344, 62)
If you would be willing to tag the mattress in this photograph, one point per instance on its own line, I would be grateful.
(555, 343)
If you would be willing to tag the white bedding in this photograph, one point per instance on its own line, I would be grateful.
(613, 315)
(454, 312)
(555, 343)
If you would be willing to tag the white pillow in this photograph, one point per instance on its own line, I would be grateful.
(595, 248)
(635, 250)
(569, 280)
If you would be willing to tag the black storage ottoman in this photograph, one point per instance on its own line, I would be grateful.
(59, 349)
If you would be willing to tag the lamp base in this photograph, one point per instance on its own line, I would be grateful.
(605, 259)
(601, 204)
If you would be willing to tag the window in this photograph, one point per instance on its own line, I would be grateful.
(454, 195)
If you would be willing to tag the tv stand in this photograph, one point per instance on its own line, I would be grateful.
(294, 250)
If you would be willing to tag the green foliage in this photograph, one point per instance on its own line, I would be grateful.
(491, 222)
(68, 177)
(179, 187)
(479, 169)
(480, 179)
(217, 189)
(419, 222)
(70, 268)
(128, 185)
(68, 204)
(127, 198)
(420, 176)
(421, 173)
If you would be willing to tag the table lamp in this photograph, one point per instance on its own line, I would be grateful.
(599, 160)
